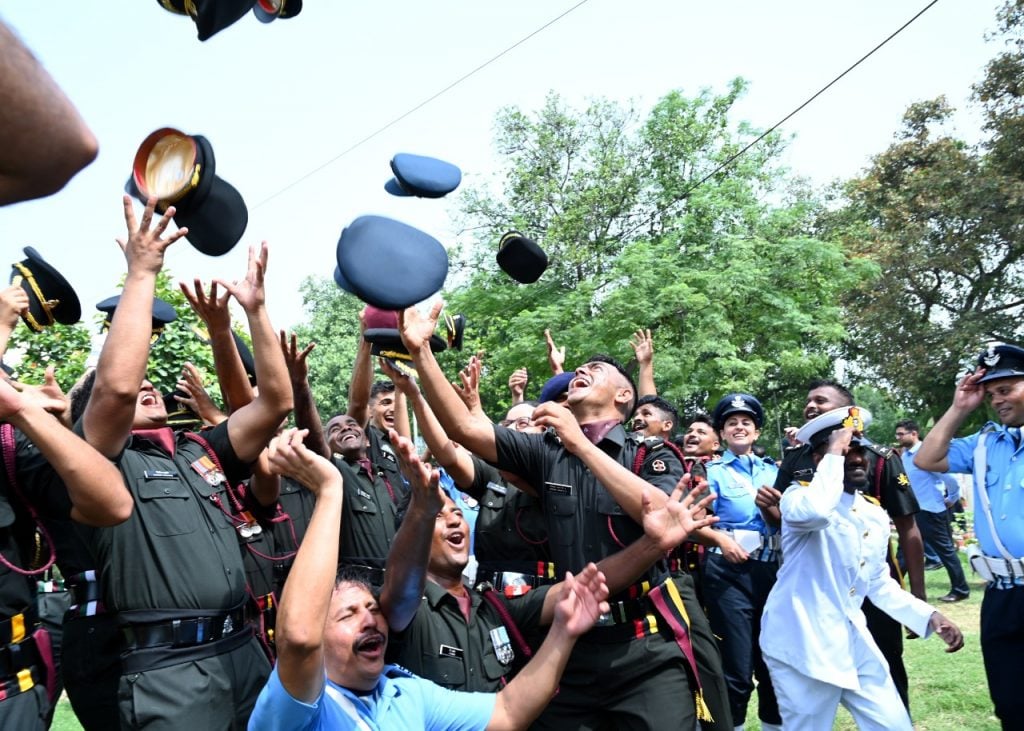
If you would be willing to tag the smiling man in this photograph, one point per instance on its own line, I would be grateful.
(332, 636)
(370, 500)
(993, 456)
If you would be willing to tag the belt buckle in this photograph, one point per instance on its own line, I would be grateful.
(512, 578)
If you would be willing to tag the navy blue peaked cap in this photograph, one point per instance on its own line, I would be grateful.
(737, 403)
(1001, 361)
(210, 16)
(424, 177)
(389, 264)
(163, 313)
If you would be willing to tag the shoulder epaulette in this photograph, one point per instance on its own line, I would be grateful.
(881, 450)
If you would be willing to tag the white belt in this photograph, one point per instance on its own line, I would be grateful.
(988, 567)
(752, 540)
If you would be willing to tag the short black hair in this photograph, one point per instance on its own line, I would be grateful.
(702, 418)
(908, 425)
(358, 575)
(602, 358)
(661, 404)
(380, 387)
(829, 383)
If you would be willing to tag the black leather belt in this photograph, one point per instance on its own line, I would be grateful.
(183, 632)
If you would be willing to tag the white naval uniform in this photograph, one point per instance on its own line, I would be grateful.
(813, 633)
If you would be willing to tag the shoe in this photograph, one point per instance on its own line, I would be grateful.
(953, 597)
(912, 635)
(932, 566)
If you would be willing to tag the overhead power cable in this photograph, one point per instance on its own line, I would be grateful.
(818, 93)
(423, 103)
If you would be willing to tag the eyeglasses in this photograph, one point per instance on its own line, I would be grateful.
(903, 434)
(523, 422)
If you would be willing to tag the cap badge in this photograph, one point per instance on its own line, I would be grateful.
(991, 357)
(854, 419)
(738, 403)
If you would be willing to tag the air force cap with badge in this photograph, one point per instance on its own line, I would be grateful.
(816, 431)
(1001, 360)
(737, 403)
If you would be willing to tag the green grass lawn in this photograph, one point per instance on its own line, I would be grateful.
(948, 692)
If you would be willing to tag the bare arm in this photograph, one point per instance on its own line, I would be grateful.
(252, 426)
(456, 462)
(45, 141)
(517, 385)
(213, 310)
(96, 488)
(643, 347)
(362, 378)
(306, 415)
(306, 598)
(406, 572)
(556, 355)
(522, 700)
(475, 433)
(265, 484)
(909, 537)
(122, 363)
(969, 395)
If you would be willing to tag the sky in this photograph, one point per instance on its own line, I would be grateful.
(279, 101)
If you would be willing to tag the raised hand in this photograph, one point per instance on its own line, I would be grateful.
(643, 346)
(144, 248)
(402, 380)
(424, 481)
(249, 292)
(556, 355)
(681, 515)
(417, 329)
(211, 308)
(469, 387)
(584, 601)
(969, 394)
(559, 418)
(517, 384)
(295, 359)
(288, 456)
(13, 302)
(198, 399)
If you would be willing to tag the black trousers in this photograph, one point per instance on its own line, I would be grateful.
(1002, 649)
(888, 635)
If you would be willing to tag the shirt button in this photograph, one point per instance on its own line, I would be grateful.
(853, 590)
(167, 490)
(862, 562)
(867, 533)
(1002, 517)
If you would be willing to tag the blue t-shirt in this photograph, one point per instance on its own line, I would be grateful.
(401, 701)
(735, 480)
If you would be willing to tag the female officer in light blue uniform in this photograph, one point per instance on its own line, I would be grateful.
(744, 556)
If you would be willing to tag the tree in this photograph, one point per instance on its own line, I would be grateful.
(728, 274)
(333, 324)
(942, 220)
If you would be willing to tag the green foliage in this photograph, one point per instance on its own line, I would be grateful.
(738, 291)
(68, 347)
(333, 324)
(941, 219)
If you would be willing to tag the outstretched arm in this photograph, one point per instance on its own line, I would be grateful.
(252, 426)
(96, 488)
(473, 432)
(522, 700)
(643, 347)
(306, 598)
(45, 141)
(306, 415)
(406, 573)
(122, 364)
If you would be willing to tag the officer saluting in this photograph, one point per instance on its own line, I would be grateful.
(992, 455)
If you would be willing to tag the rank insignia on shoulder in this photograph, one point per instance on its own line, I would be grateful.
(903, 480)
(658, 466)
(654, 443)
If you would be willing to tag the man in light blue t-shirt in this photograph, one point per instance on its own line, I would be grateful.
(331, 634)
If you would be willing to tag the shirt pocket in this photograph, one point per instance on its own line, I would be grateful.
(561, 509)
(444, 670)
(166, 507)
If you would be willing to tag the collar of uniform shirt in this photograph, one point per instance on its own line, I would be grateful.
(595, 431)
(162, 437)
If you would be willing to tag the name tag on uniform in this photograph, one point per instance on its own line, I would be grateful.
(388, 455)
(449, 651)
(495, 487)
(364, 495)
(557, 488)
(160, 475)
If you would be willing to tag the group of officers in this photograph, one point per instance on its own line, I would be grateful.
(590, 561)
(621, 572)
